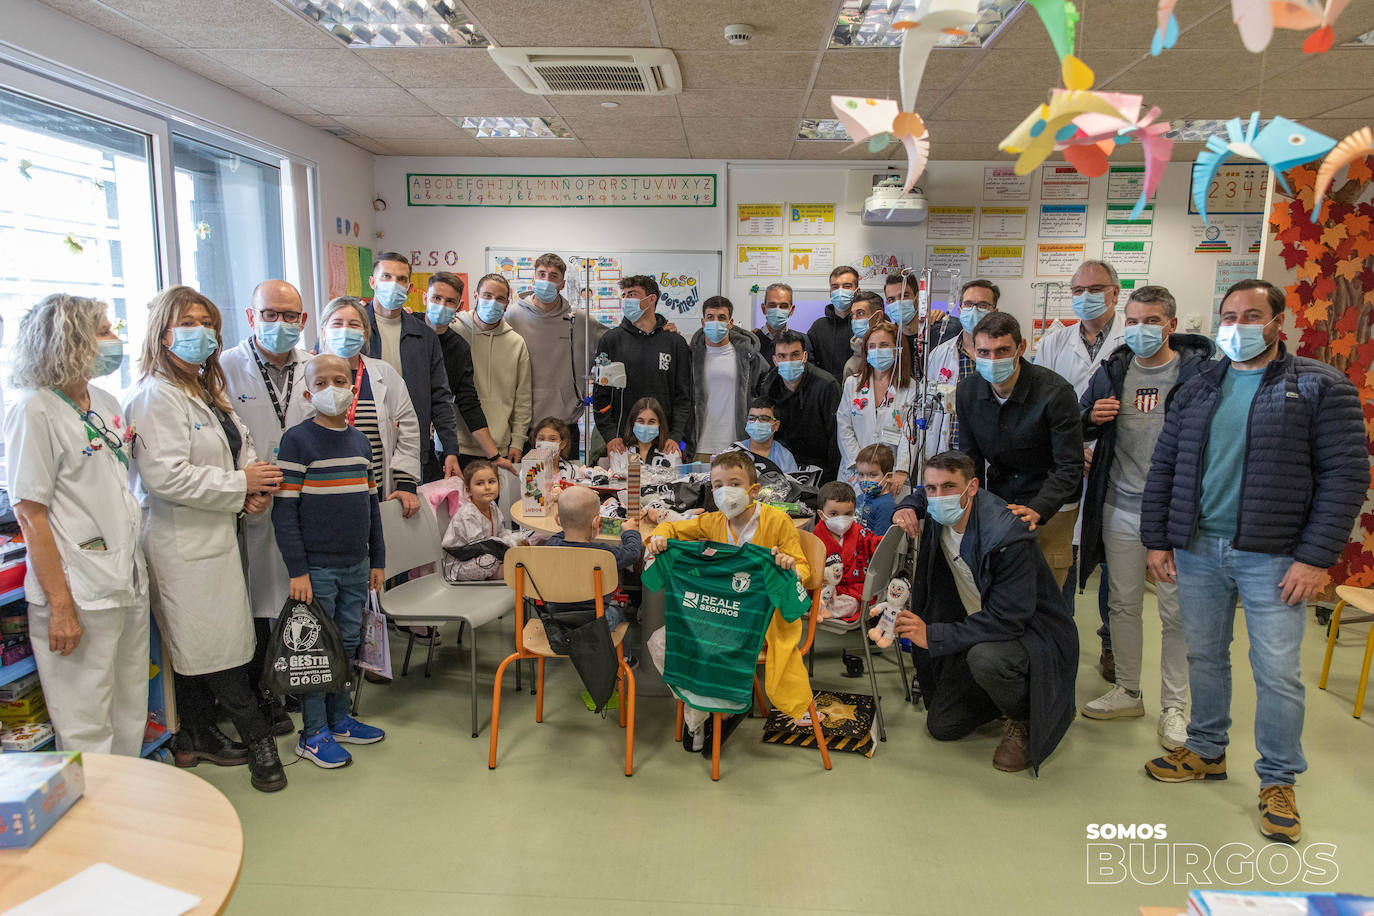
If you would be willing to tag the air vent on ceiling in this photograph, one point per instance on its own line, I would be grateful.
(591, 71)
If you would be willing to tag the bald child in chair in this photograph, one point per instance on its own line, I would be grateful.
(579, 513)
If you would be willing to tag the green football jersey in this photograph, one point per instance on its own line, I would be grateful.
(718, 601)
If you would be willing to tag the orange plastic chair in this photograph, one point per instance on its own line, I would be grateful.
(815, 560)
(1363, 599)
(562, 575)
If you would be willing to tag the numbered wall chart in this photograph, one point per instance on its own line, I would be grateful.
(758, 219)
(1235, 189)
(1001, 260)
(945, 258)
(1002, 183)
(811, 219)
(1117, 222)
(1063, 221)
(1230, 271)
(806, 258)
(1125, 182)
(1002, 223)
(950, 223)
(1063, 182)
(1057, 260)
(758, 261)
(1128, 257)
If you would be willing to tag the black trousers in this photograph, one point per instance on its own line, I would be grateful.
(232, 689)
(990, 680)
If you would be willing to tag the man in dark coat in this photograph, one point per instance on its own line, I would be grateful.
(831, 334)
(804, 400)
(993, 636)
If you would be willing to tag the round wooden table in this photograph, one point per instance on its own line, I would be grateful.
(150, 819)
(548, 524)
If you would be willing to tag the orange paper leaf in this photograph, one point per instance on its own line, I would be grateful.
(1333, 235)
(1343, 345)
(1318, 311)
(1303, 178)
(1360, 170)
(1350, 269)
(1280, 218)
(1309, 270)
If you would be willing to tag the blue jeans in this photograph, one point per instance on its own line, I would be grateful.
(1104, 632)
(342, 594)
(1210, 575)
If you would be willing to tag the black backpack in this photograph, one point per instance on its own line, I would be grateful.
(305, 654)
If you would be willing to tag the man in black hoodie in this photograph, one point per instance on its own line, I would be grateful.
(658, 364)
(993, 636)
(830, 334)
(804, 402)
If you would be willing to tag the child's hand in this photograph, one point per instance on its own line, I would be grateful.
(256, 502)
(300, 589)
(656, 545)
(375, 579)
(784, 560)
(630, 524)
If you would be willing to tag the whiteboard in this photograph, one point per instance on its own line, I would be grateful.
(685, 279)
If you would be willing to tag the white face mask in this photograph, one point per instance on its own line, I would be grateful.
(332, 401)
(731, 500)
(839, 525)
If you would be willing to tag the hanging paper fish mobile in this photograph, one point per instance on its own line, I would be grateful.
(1257, 20)
(1280, 144)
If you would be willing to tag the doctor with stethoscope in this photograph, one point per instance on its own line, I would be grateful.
(87, 585)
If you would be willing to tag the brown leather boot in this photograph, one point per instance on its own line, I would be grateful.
(1013, 753)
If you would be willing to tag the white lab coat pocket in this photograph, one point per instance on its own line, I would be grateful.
(202, 534)
(101, 577)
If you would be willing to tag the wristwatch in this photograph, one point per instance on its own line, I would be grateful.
(496, 457)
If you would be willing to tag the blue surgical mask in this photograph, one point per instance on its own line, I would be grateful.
(109, 358)
(389, 294)
(646, 433)
(441, 316)
(759, 430)
(870, 489)
(996, 371)
(841, 299)
(345, 342)
(630, 309)
(901, 312)
(278, 336)
(545, 291)
(946, 509)
(969, 317)
(882, 358)
(776, 318)
(1241, 342)
(1088, 306)
(858, 326)
(193, 345)
(715, 331)
(792, 370)
(1144, 339)
(489, 311)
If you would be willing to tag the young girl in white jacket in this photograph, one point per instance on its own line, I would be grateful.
(477, 536)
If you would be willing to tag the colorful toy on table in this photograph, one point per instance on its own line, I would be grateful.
(898, 594)
(35, 791)
(539, 475)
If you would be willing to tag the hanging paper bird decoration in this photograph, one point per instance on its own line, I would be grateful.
(1166, 27)
(880, 121)
(1360, 143)
(1050, 125)
(938, 18)
(1257, 20)
(1098, 136)
(1280, 144)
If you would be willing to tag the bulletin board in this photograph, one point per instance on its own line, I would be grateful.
(685, 279)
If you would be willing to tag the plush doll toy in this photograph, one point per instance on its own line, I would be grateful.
(898, 594)
(835, 604)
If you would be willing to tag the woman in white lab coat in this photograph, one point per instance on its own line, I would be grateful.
(876, 404)
(195, 471)
(86, 584)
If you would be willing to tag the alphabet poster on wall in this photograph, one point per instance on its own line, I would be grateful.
(810, 258)
(758, 260)
(811, 219)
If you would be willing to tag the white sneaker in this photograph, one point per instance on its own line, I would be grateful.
(1114, 704)
(1173, 728)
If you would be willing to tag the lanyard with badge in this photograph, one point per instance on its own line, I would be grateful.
(98, 438)
(271, 389)
(357, 392)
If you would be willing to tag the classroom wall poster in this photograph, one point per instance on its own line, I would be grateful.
(810, 219)
(1235, 188)
(338, 270)
(603, 303)
(353, 285)
(1002, 183)
(1131, 257)
(810, 258)
(1052, 306)
(638, 190)
(419, 285)
(1063, 182)
(950, 223)
(1229, 271)
(944, 259)
(758, 261)
(679, 294)
(1057, 260)
(1000, 260)
(1225, 234)
(877, 264)
(758, 219)
(1063, 221)
(1125, 182)
(1117, 222)
(1002, 223)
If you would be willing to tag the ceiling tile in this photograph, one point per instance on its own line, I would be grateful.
(1362, 109)
(741, 68)
(1218, 32)
(872, 67)
(1339, 68)
(113, 23)
(1010, 103)
(435, 147)
(735, 104)
(1178, 69)
(506, 103)
(227, 23)
(376, 147)
(790, 25)
(302, 68)
(997, 69)
(570, 148)
(1291, 103)
(317, 120)
(402, 128)
(818, 106)
(1131, 23)
(334, 100)
(646, 106)
(752, 130)
(946, 151)
(641, 149)
(426, 68)
(568, 23)
(981, 131)
(1023, 33)
(739, 149)
(824, 149)
(1336, 128)
(197, 62)
(275, 99)
(613, 125)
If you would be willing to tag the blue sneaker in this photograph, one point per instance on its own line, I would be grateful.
(320, 748)
(349, 730)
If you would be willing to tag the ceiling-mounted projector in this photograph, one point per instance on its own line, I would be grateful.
(888, 206)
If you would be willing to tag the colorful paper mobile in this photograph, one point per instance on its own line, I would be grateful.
(1166, 27)
(1281, 144)
(1257, 20)
(880, 121)
(1360, 143)
(919, 37)
(1060, 18)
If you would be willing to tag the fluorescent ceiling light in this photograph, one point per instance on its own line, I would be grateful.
(868, 23)
(821, 129)
(392, 23)
(514, 128)
(1361, 41)
(1197, 131)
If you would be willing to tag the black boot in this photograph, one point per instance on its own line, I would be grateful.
(192, 745)
(277, 718)
(264, 767)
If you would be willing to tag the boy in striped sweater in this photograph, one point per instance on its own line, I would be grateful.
(329, 530)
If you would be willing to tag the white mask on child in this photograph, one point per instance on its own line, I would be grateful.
(839, 524)
(731, 500)
(332, 401)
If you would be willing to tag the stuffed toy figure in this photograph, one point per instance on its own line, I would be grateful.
(833, 602)
(898, 594)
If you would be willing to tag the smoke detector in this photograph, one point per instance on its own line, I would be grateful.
(739, 35)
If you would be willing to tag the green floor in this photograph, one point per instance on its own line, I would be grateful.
(418, 824)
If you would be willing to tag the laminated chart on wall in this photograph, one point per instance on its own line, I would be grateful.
(758, 260)
(353, 285)
(875, 264)
(1058, 309)
(1002, 223)
(1002, 183)
(429, 189)
(1117, 222)
(419, 285)
(1000, 260)
(810, 219)
(1229, 271)
(758, 219)
(337, 283)
(1063, 182)
(950, 222)
(1057, 260)
(1227, 235)
(942, 259)
(1125, 182)
(1129, 257)
(810, 258)
(1063, 221)
(1235, 188)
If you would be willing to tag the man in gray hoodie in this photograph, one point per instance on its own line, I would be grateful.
(556, 335)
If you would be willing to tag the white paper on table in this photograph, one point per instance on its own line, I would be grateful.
(109, 891)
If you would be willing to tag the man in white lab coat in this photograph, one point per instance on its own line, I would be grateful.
(265, 375)
(1075, 352)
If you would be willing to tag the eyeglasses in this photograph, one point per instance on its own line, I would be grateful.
(758, 418)
(1095, 288)
(274, 315)
(98, 424)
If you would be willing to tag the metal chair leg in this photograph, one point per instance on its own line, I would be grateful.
(533, 665)
(472, 664)
(410, 644)
(429, 655)
(873, 681)
(901, 665)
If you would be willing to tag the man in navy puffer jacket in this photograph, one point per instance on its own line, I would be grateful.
(1257, 478)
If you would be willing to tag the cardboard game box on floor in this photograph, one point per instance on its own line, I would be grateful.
(35, 791)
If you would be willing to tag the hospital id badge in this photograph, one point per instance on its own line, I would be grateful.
(891, 437)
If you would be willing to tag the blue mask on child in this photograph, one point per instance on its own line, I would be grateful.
(870, 488)
(646, 433)
(193, 345)
(759, 430)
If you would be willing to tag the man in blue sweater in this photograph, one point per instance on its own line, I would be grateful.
(329, 530)
(1259, 473)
